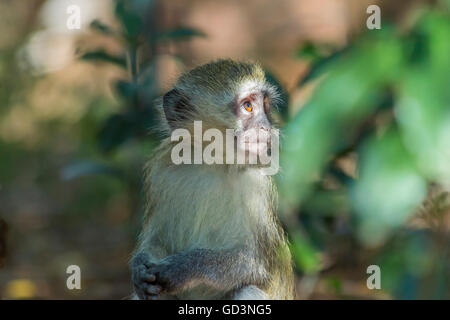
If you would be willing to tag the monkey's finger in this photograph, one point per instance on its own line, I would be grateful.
(148, 278)
(148, 264)
(141, 294)
(151, 296)
(153, 289)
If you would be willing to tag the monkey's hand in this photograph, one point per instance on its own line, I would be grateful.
(144, 280)
(171, 275)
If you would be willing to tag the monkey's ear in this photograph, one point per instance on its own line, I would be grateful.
(176, 107)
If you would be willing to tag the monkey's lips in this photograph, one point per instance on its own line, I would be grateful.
(256, 147)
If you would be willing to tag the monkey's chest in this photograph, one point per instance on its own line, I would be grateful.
(212, 213)
(210, 225)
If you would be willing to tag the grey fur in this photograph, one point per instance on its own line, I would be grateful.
(211, 232)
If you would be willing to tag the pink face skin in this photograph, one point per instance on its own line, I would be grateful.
(252, 110)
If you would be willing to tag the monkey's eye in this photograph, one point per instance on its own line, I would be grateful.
(247, 106)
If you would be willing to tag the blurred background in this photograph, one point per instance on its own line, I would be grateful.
(365, 156)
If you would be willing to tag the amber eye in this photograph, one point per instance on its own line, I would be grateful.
(247, 106)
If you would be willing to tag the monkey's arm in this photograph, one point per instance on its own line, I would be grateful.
(222, 269)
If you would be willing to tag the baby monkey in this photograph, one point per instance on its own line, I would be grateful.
(211, 231)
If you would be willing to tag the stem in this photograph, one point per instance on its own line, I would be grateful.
(133, 65)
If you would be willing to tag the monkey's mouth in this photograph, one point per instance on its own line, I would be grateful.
(257, 147)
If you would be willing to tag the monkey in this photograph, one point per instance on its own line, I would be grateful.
(212, 231)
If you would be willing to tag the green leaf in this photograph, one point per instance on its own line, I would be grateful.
(306, 257)
(130, 19)
(322, 64)
(326, 203)
(126, 89)
(339, 104)
(389, 188)
(178, 34)
(137, 122)
(87, 167)
(309, 51)
(97, 25)
(335, 284)
(424, 118)
(409, 262)
(102, 56)
(118, 129)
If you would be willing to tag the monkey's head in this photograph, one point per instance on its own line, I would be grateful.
(224, 94)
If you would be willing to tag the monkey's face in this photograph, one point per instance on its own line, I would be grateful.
(253, 125)
(227, 97)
